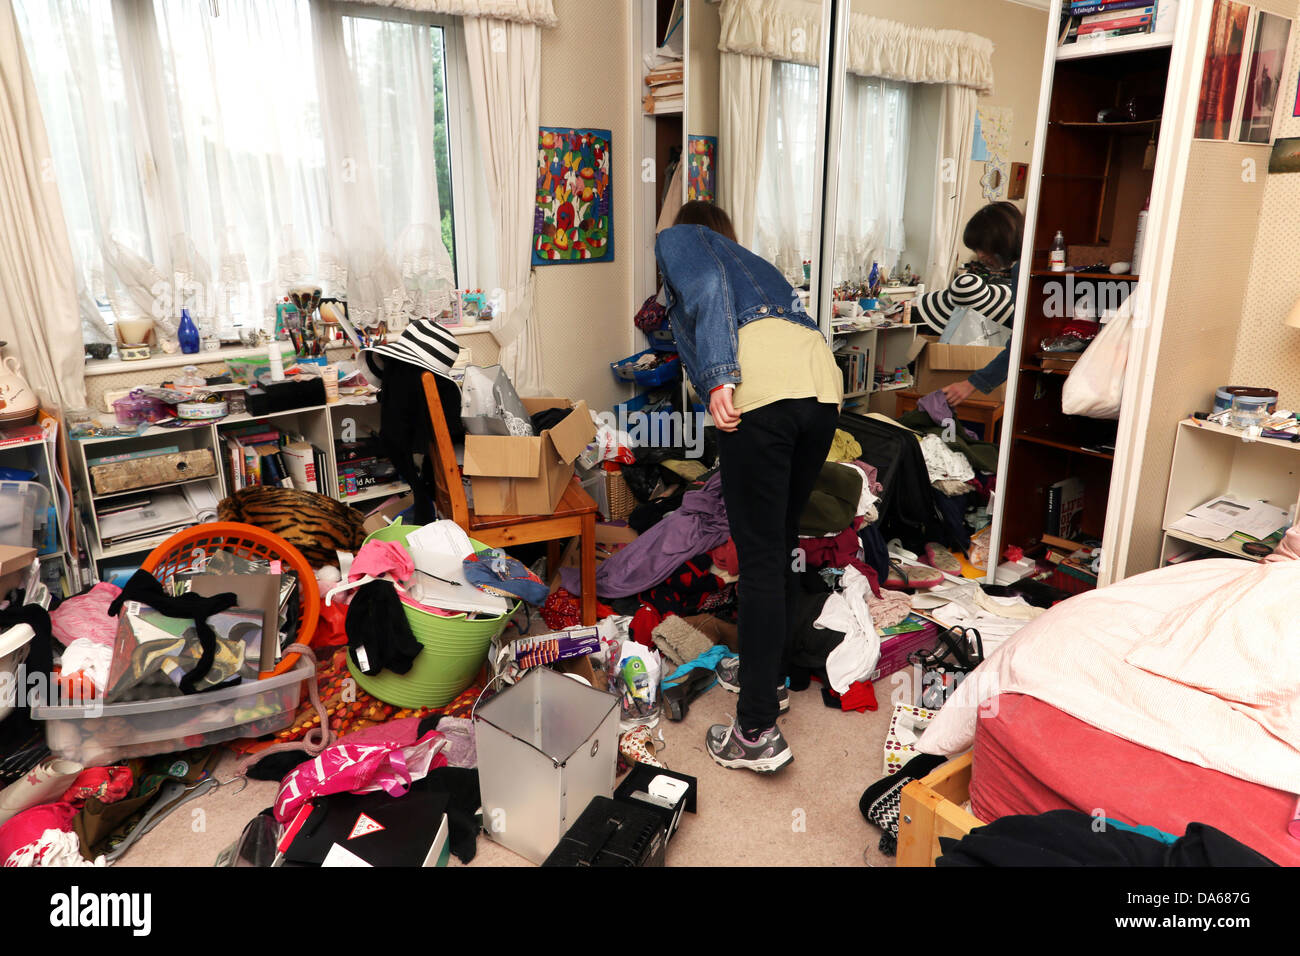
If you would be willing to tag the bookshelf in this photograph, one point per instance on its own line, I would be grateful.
(321, 426)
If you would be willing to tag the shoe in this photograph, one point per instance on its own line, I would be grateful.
(909, 577)
(677, 697)
(939, 557)
(728, 671)
(638, 746)
(767, 753)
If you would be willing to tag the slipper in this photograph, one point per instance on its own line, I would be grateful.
(937, 556)
(906, 577)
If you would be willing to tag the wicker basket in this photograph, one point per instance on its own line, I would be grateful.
(621, 500)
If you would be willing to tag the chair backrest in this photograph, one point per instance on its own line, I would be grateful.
(448, 492)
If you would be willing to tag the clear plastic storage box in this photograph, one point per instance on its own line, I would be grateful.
(24, 510)
(96, 734)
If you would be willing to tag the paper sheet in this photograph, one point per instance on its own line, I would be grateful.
(1255, 518)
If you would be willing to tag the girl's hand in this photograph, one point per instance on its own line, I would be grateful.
(724, 413)
(958, 392)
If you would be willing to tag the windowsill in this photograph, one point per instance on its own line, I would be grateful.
(115, 366)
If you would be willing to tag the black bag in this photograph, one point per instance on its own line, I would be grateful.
(960, 650)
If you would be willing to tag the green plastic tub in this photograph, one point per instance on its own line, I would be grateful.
(454, 649)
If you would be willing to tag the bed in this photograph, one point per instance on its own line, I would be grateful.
(1166, 698)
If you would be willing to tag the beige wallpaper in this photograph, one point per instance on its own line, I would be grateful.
(1215, 235)
(703, 63)
(1268, 352)
(584, 310)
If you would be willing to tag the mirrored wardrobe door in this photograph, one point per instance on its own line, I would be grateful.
(755, 104)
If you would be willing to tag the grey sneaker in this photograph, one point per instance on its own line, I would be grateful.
(728, 671)
(767, 753)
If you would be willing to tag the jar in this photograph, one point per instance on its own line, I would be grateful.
(138, 408)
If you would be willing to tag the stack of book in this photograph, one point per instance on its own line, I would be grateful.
(143, 519)
(855, 368)
(664, 77)
(362, 466)
(262, 455)
(1097, 19)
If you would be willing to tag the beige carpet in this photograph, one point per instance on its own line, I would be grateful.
(806, 815)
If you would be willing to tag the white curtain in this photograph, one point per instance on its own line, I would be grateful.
(744, 84)
(194, 179)
(538, 12)
(785, 205)
(790, 30)
(39, 317)
(505, 75)
(873, 177)
(952, 174)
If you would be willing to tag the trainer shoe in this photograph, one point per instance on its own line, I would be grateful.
(767, 752)
(728, 671)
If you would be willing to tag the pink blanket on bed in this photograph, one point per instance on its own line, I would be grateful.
(1018, 768)
(1200, 661)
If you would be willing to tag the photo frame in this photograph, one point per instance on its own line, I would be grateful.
(1221, 77)
(574, 217)
(1263, 77)
(701, 168)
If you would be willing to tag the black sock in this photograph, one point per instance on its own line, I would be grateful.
(376, 623)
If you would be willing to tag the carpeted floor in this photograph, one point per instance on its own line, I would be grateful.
(806, 815)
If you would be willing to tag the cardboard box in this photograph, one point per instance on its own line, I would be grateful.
(940, 365)
(527, 476)
(610, 539)
(15, 562)
(387, 513)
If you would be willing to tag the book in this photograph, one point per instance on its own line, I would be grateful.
(1108, 26)
(236, 456)
(22, 435)
(300, 462)
(134, 455)
(1052, 511)
(1109, 34)
(1070, 504)
(1112, 15)
(1088, 7)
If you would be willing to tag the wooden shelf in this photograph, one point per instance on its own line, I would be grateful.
(1087, 276)
(1112, 45)
(1228, 546)
(1064, 446)
(1132, 126)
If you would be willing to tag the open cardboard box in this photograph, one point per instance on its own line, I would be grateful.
(610, 539)
(527, 476)
(15, 562)
(940, 365)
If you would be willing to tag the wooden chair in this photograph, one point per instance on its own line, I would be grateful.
(574, 517)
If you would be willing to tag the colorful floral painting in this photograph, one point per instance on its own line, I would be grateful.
(701, 161)
(574, 220)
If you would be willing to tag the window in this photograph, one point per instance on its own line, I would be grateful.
(211, 162)
(873, 177)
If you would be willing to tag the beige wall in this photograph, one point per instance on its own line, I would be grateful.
(1018, 33)
(584, 310)
(703, 64)
(1268, 352)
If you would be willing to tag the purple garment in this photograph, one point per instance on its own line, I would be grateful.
(869, 474)
(699, 525)
(937, 407)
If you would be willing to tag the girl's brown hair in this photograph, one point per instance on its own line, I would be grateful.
(700, 213)
(997, 230)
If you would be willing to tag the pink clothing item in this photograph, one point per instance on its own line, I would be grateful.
(30, 825)
(1288, 548)
(890, 608)
(869, 472)
(86, 615)
(725, 557)
(382, 559)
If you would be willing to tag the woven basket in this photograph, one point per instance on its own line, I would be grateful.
(621, 500)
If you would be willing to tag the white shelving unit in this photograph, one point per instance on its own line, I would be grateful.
(34, 453)
(887, 347)
(320, 425)
(1211, 460)
(1112, 45)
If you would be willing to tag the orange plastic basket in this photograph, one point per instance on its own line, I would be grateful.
(188, 550)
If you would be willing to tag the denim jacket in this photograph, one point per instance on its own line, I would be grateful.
(714, 288)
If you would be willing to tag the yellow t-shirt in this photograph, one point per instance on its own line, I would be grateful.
(779, 359)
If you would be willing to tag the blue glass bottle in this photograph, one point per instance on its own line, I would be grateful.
(188, 333)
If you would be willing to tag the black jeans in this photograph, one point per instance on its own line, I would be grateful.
(769, 467)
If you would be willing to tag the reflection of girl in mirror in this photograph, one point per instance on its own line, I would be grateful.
(774, 392)
(994, 234)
